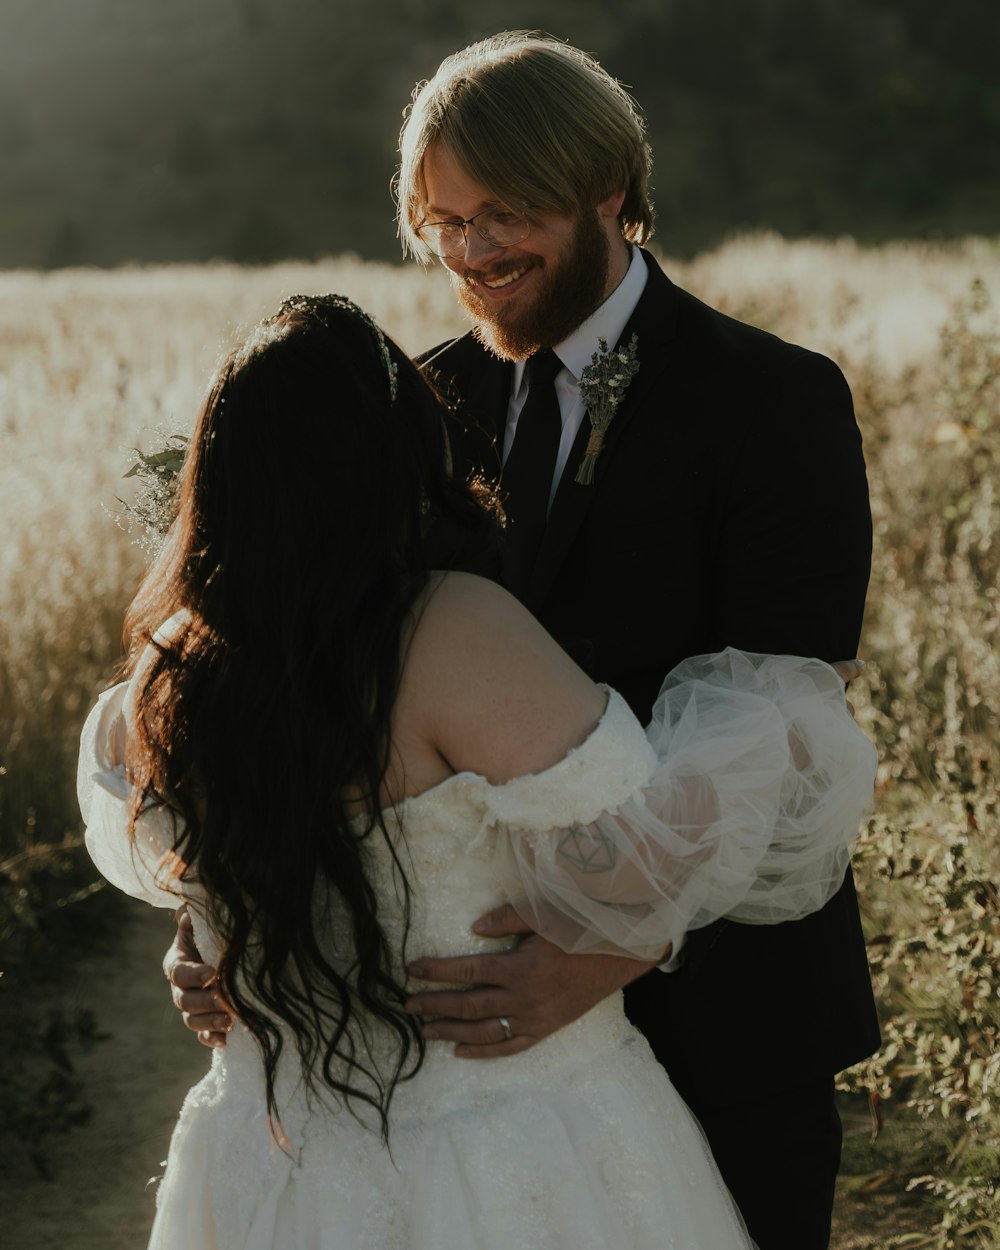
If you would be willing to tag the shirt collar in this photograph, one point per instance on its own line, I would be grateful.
(606, 322)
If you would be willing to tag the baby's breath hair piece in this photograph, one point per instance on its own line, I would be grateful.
(315, 305)
(155, 503)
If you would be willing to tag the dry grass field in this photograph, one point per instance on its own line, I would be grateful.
(93, 364)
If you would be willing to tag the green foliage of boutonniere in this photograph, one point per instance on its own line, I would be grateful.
(602, 387)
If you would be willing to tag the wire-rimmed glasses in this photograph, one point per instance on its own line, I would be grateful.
(497, 226)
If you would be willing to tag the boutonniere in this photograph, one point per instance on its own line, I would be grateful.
(602, 388)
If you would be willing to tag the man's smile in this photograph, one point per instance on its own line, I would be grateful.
(506, 279)
(500, 280)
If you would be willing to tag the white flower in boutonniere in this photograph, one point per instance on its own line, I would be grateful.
(602, 388)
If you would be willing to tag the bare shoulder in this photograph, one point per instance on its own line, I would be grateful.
(457, 603)
(494, 691)
(471, 629)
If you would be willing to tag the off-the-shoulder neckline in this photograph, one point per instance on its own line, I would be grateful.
(615, 702)
(614, 705)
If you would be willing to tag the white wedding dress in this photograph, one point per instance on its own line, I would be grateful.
(742, 798)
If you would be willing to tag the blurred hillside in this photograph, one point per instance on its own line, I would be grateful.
(254, 130)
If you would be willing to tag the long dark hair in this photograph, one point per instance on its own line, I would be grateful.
(315, 484)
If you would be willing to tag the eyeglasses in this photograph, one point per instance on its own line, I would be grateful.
(498, 226)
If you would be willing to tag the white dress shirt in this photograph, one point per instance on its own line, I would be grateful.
(576, 352)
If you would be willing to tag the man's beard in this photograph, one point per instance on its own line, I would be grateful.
(569, 289)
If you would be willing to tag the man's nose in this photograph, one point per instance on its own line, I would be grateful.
(477, 250)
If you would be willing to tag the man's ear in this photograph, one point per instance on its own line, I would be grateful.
(612, 206)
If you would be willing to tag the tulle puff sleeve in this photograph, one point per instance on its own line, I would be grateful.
(143, 868)
(743, 798)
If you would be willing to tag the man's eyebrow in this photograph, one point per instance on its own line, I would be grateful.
(450, 212)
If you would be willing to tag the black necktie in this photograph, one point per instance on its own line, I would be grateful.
(530, 467)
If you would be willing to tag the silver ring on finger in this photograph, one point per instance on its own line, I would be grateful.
(508, 1032)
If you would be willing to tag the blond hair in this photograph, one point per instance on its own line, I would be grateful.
(536, 122)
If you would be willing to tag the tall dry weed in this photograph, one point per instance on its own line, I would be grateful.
(931, 860)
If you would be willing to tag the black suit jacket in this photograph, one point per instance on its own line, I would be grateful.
(729, 507)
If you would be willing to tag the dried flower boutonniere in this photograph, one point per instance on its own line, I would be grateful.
(602, 387)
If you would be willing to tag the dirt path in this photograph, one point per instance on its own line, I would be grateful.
(100, 1199)
(877, 1218)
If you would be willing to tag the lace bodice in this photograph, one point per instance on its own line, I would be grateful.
(448, 835)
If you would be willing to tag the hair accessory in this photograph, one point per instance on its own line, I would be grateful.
(316, 304)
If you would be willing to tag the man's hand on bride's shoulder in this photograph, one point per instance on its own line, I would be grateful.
(192, 984)
(516, 998)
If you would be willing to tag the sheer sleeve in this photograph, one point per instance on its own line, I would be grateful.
(742, 798)
(141, 867)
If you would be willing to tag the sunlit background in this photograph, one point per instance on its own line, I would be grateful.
(257, 130)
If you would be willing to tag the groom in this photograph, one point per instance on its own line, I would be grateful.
(728, 506)
(725, 503)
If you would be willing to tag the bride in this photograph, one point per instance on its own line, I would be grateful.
(337, 751)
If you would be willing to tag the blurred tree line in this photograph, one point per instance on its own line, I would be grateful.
(256, 130)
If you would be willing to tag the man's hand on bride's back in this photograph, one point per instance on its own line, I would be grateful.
(192, 984)
(534, 989)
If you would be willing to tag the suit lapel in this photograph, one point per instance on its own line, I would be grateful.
(654, 323)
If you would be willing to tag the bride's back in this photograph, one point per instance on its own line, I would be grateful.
(484, 689)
